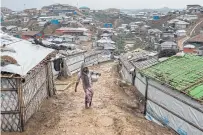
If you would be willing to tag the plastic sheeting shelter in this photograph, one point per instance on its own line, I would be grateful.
(135, 60)
(92, 58)
(26, 85)
(72, 59)
(75, 59)
(108, 25)
(56, 22)
(174, 94)
(126, 69)
(156, 17)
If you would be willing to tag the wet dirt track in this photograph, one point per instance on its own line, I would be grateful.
(115, 111)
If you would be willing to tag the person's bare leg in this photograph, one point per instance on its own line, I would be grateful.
(86, 106)
(90, 104)
(86, 103)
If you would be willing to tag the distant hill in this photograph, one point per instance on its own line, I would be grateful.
(112, 10)
(5, 10)
(163, 10)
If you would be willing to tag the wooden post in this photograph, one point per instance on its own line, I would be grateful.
(133, 77)
(21, 103)
(146, 94)
(47, 79)
(52, 79)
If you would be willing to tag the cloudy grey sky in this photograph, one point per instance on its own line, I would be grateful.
(101, 4)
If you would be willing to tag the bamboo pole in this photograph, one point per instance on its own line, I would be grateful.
(10, 76)
(19, 87)
(47, 80)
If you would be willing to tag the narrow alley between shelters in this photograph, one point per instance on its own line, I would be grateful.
(116, 109)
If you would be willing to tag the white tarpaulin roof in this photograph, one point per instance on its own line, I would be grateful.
(189, 46)
(168, 44)
(105, 40)
(105, 35)
(26, 54)
(109, 47)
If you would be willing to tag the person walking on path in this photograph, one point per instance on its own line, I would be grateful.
(85, 76)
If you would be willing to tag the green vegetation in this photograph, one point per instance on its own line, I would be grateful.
(101, 16)
(120, 43)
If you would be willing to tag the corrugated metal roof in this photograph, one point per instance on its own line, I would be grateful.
(10, 27)
(154, 31)
(66, 29)
(168, 44)
(182, 23)
(126, 63)
(109, 47)
(26, 54)
(71, 52)
(184, 74)
(139, 59)
(105, 40)
(145, 63)
(30, 33)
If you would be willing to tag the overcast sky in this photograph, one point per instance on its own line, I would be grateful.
(101, 4)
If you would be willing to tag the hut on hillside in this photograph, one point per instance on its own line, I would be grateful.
(71, 60)
(26, 80)
(68, 58)
(133, 61)
(174, 94)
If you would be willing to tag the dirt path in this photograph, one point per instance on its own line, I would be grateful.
(184, 39)
(115, 111)
(181, 42)
(192, 31)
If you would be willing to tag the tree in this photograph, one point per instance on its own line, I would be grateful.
(120, 43)
(128, 27)
(166, 53)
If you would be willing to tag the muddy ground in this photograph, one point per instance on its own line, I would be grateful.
(116, 111)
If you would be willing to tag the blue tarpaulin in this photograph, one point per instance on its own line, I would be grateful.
(54, 22)
(39, 34)
(156, 17)
(108, 25)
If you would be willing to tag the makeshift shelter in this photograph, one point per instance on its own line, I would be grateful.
(105, 43)
(68, 58)
(166, 35)
(26, 80)
(168, 45)
(134, 61)
(173, 90)
(105, 40)
(126, 69)
(30, 34)
(12, 28)
(74, 59)
(189, 49)
(106, 35)
(181, 25)
(197, 40)
(110, 47)
(181, 33)
(92, 57)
